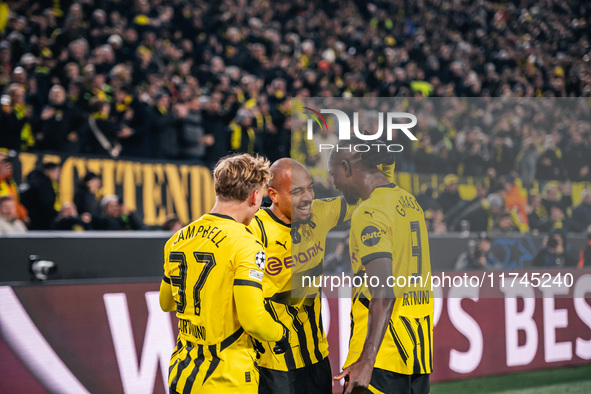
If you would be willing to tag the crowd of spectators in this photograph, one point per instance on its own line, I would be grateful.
(194, 80)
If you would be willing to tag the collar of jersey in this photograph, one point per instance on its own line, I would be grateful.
(389, 186)
(219, 215)
(275, 218)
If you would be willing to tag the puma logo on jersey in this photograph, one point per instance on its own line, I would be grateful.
(282, 244)
(369, 213)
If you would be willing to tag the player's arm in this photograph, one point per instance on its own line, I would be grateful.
(252, 314)
(380, 311)
(165, 297)
(166, 301)
(248, 297)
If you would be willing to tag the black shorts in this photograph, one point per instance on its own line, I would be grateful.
(312, 379)
(388, 382)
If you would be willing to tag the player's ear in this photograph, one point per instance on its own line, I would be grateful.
(346, 166)
(252, 197)
(272, 194)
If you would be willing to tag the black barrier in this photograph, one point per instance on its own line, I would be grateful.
(95, 255)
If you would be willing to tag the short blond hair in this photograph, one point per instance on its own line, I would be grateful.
(236, 176)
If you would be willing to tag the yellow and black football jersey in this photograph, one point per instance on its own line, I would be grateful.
(391, 224)
(203, 263)
(293, 251)
(302, 317)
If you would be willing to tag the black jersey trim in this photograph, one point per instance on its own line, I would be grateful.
(364, 301)
(283, 297)
(191, 378)
(398, 343)
(311, 310)
(417, 363)
(166, 279)
(181, 367)
(377, 255)
(215, 361)
(231, 339)
(428, 318)
(220, 215)
(423, 359)
(245, 282)
(275, 218)
(289, 359)
(388, 186)
(263, 232)
(301, 333)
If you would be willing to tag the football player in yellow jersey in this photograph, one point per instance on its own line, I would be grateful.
(213, 274)
(390, 350)
(304, 368)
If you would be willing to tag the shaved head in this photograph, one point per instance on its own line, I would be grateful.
(291, 190)
(281, 173)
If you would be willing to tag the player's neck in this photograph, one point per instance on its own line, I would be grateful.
(236, 210)
(279, 215)
(371, 182)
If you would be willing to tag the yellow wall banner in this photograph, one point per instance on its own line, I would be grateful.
(152, 189)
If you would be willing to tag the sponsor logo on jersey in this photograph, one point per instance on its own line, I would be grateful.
(311, 252)
(371, 236)
(254, 274)
(275, 265)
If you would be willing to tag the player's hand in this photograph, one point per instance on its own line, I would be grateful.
(359, 377)
(282, 345)
(258, 346)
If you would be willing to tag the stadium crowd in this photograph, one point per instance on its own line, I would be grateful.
(193, 80)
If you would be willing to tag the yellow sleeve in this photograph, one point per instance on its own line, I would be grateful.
(252, 314)
(168, 266)
(249, 265)
(332, 211)
(166, 299)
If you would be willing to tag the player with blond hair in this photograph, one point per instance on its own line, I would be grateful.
(213, 275)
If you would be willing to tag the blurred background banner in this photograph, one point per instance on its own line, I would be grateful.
(113, 337)
(154, 189)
